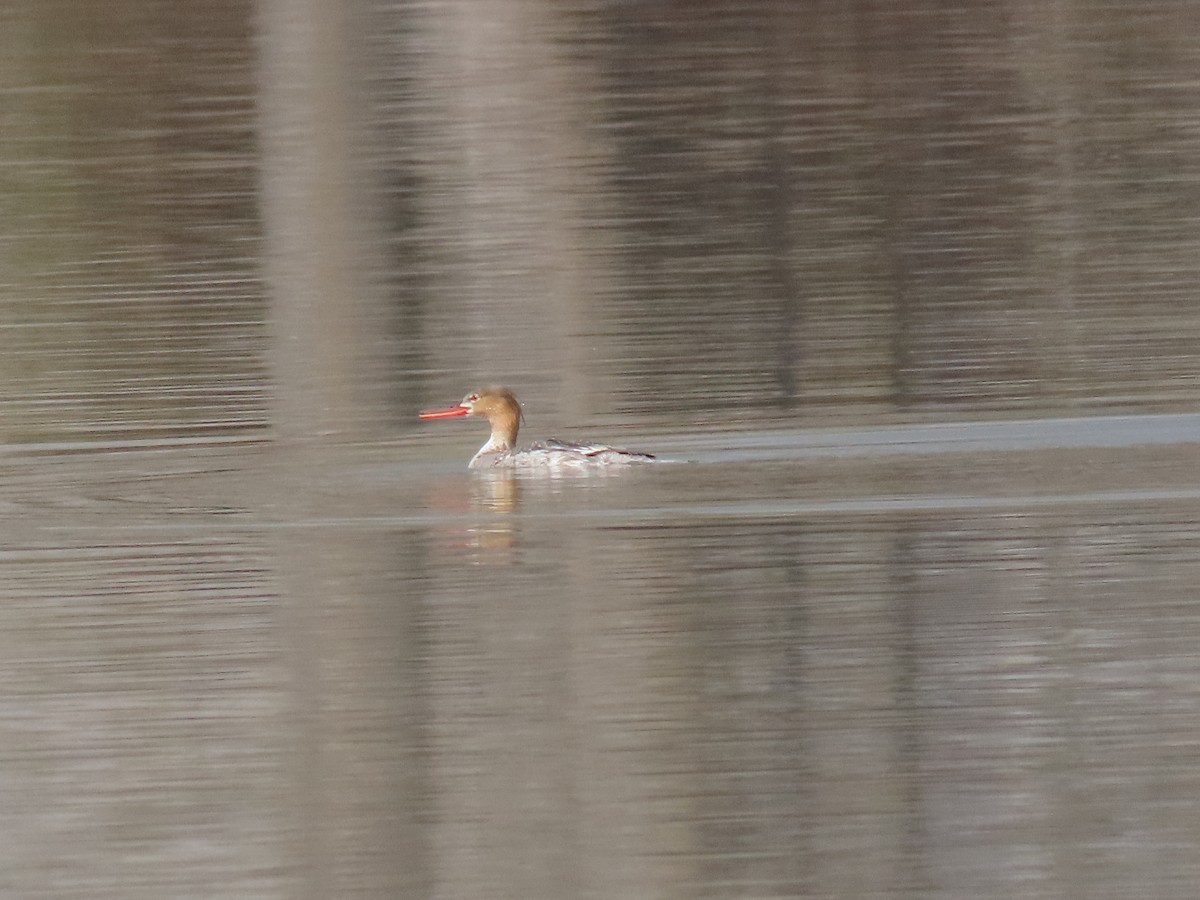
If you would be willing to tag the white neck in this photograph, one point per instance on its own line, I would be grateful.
(494, 444)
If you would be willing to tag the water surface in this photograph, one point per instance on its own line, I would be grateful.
(910, 288)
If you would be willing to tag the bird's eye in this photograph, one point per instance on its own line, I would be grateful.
(473, 398)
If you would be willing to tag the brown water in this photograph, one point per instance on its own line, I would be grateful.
(910, 286)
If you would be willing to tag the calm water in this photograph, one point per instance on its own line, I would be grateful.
(911, 287)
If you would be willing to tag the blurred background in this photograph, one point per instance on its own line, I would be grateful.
(913, 287)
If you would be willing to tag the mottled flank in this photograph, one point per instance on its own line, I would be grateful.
(556, 455)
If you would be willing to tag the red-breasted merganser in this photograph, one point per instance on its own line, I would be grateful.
(503, 413)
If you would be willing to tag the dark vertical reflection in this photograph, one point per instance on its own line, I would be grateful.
(898, 202)
(780, 199)
(913, 880)
(397, 131)
(1050, 54)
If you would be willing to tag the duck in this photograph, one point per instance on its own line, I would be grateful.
(499, 405)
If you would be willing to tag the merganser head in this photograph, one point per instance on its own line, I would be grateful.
(498, 404)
